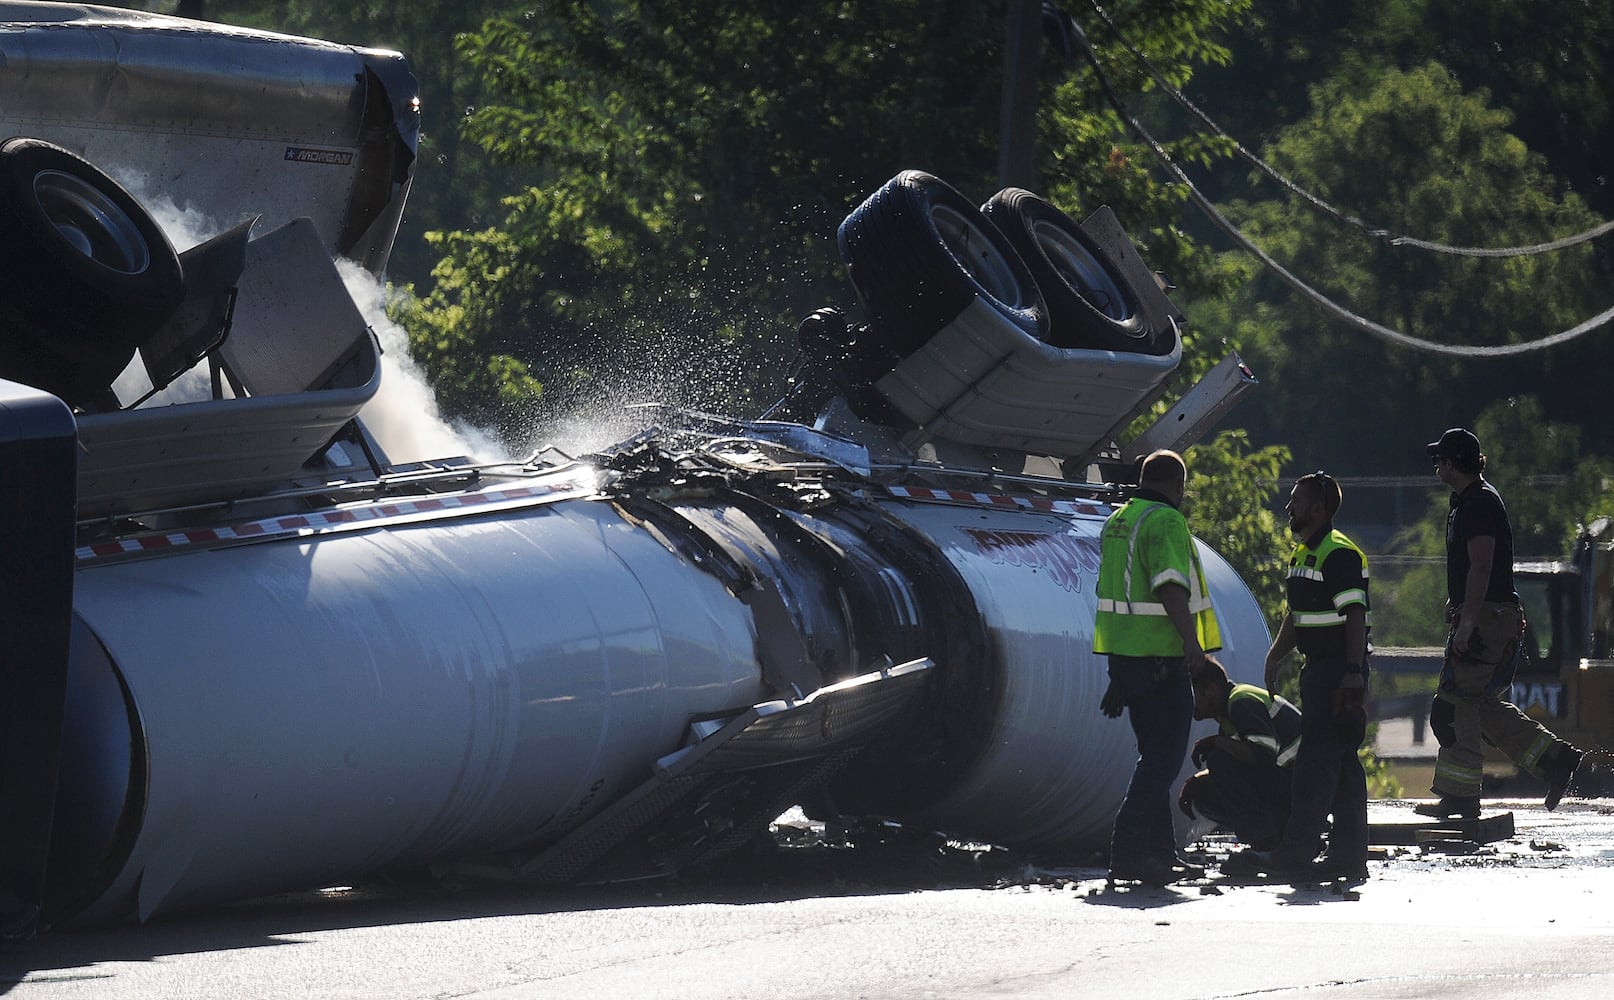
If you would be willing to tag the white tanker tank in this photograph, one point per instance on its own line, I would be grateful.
(271, 660)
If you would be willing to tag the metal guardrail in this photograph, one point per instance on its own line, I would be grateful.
(1408, 659)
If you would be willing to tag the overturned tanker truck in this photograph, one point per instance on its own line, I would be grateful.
(247, 653)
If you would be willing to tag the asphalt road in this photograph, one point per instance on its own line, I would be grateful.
(1532, 916)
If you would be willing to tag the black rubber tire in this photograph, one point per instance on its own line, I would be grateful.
(1090, 302)
(918, 253)
(84, 269)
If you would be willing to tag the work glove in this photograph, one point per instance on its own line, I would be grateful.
(1111, 704)
(1350, 708)
(1202, 750)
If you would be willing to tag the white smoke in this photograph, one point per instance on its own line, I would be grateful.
(186, 227)
(403, 416)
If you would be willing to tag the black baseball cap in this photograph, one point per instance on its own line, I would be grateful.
(1456, 443)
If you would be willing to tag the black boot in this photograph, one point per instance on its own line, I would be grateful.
(1450, 807)
(1559, 773)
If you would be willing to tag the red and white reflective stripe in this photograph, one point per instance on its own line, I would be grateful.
(322, 522)
(1000, 500)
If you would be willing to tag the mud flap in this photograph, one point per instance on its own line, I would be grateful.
(712, 796)
(38, 483)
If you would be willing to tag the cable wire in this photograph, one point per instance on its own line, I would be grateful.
(1339, 312)
(1377, 232)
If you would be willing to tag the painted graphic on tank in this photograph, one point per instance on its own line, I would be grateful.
(1066, 557)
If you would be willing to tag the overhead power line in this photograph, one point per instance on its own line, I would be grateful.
(1328, 305)
(1377, 232)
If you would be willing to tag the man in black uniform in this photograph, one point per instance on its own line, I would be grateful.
(1486, 622)
(1243, 781)
(1328, 621)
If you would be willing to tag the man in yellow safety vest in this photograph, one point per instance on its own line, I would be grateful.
(1155, 623)
(1329, 622)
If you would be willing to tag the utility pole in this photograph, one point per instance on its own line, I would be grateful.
(1017, 145)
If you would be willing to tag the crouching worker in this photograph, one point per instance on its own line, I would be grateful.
(1243, 782)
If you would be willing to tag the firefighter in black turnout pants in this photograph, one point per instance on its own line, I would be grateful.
(1482, 649)
(1328, 621)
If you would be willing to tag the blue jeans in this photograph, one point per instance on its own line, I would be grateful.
(1328, 776)
(1160, 705)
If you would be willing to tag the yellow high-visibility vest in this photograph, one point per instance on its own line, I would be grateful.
(1285, 722)
(1313, 605)
(1145, 545)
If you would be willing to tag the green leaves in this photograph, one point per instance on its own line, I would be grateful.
(639, 191)
(1413, 152)
(1231, 488)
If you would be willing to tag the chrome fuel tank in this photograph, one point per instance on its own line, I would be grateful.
(318, 707)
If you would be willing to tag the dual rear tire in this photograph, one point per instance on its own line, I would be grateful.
(1091, 304)
(918, 253)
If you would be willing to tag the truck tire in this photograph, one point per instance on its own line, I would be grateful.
(918, 253)
(1090, 303)
(84, 269)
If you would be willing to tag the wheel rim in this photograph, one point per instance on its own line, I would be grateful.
(977, 254)
(92, 223)
(1083, 272)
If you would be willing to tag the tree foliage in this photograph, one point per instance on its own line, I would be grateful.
(1417, 153)
(1551, 484)
(1092, 157)
(1544, 62)
(1230, 486)
(635, 185)
(685, 166)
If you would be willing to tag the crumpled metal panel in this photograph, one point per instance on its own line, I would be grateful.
(295, 327)
(981, 380)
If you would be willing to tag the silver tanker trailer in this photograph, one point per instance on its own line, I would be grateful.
(246, 653)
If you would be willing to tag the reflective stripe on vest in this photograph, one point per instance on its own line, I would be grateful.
(1126, 577)
(1130, 618)
(1284, 755)
(1198, 600)
(1287, 755)
(1335, 616)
